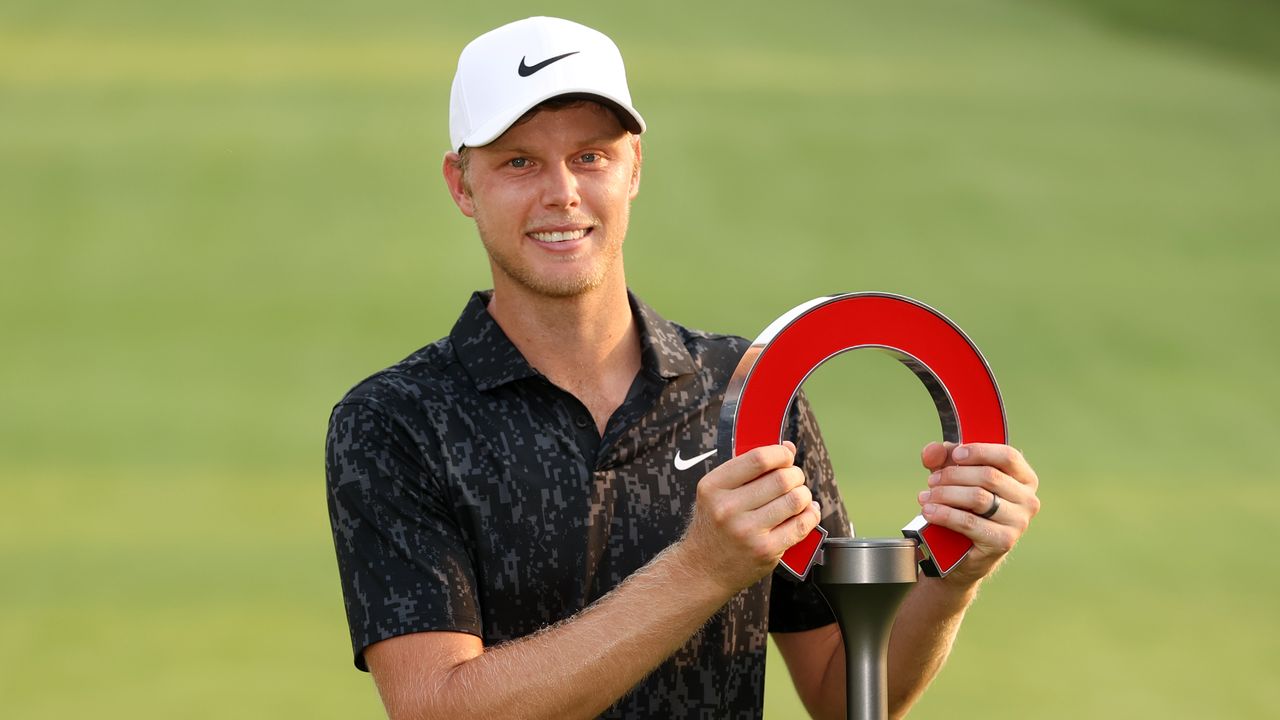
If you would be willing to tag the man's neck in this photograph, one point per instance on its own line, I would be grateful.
(588, 344)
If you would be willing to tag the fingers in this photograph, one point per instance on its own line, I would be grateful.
(770, 487)
(964, 484)
(936, 454)
(992, 538)
(1010, 460)
(749, 511)
(1007, 459)
(756, 491)
(783, 507)
(980, 464)
(750, 465)
(972, 487)
(981, 476)
(768, 500)
(764, 476)
(976, 500)
(794, 529)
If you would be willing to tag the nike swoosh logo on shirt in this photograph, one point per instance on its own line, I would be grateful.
(527, 70)
(682, 464)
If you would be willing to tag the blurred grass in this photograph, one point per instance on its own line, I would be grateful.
(216, 217)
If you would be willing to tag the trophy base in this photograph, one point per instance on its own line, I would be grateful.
(864, 581)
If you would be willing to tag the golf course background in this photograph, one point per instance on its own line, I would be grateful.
(216, 217)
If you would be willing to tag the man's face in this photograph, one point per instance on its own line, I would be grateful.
(551, 198)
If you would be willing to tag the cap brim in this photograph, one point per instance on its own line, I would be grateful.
(494, 129)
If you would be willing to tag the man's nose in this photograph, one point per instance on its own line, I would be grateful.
(560, 188)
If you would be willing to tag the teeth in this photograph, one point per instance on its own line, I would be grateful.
(555, 237)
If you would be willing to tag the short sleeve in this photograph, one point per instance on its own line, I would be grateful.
(402, 558)
(797, 606)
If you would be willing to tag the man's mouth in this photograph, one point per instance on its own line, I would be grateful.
(559, 236)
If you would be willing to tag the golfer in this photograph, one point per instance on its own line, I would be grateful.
(529, 516)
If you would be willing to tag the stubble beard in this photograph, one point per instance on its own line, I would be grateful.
(555, 285)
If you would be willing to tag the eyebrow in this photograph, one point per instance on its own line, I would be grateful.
(602, 139)
(605, 139)
(508, 149)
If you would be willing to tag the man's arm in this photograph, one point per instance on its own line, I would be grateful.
(749, 510)
(960, 487)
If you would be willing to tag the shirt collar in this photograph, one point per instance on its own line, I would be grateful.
(662, 350)
(491, 359)
(485, 351)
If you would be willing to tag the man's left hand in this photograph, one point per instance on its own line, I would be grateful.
(966, 482)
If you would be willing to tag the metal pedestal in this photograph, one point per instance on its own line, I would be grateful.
(864, 581)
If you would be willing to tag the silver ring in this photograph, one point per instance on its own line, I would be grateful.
(995, 505)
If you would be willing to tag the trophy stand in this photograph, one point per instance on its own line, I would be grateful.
(864, 581)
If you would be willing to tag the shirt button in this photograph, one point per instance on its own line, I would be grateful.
(582, 422)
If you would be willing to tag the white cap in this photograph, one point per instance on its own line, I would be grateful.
(505, 72)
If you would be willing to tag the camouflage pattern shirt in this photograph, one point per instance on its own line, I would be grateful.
(467, 493)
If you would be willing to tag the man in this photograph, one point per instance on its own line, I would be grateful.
(517, 510)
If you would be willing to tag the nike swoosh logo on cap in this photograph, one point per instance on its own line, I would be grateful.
(527, 70)
(682, 464)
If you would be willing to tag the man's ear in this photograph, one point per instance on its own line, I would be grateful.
(635, 169)
(456, 179)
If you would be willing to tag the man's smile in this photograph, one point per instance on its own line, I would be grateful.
(558, 236)
(562, 238)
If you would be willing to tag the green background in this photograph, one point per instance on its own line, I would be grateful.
(216, 217)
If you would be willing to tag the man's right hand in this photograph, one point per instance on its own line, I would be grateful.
(749, 511)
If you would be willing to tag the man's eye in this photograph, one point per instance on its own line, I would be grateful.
(589, 157)
(518, 162)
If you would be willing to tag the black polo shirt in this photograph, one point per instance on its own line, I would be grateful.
(468, 493)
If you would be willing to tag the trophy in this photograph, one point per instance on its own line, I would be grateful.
(864, 580)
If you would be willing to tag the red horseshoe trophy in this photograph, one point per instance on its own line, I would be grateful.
(864, 580)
